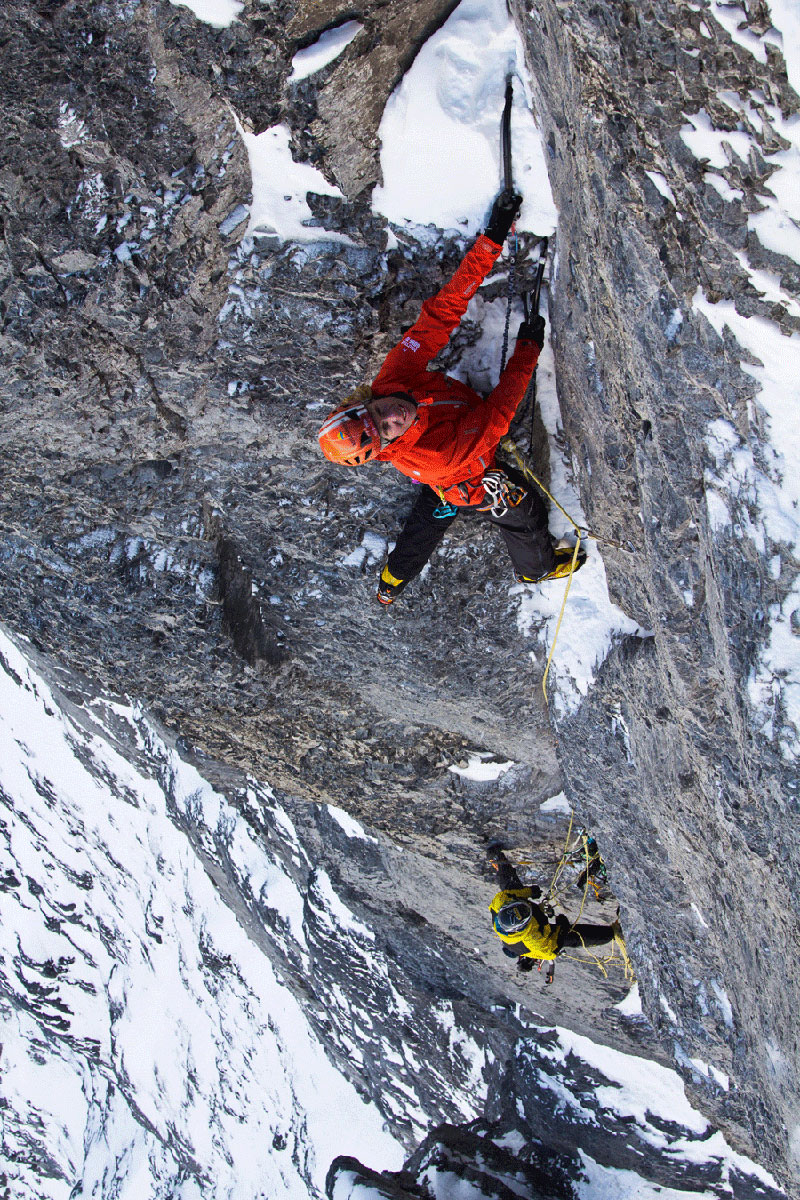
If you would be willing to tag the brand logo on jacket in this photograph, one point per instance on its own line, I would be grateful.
(408, 343)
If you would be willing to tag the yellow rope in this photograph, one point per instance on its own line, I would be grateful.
(511, 448)
(509, 445)
(585, 885)
(560, 617)
(563, 860)
(552, 895)
(618, 940)
(611, 960)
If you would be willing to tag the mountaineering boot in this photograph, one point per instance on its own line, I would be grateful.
(389, 587)
(562, 568)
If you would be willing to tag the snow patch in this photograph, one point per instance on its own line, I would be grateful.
(631, 1006)
(637, 1087)
(440, 156)
(373, 549)
(482, 768)
(714, 145)
(707, 1071)
(230, 1076)
(786, 19)
(324, 51)
(556, 804)
(721, 185)
(661, 185)
(349, 824)
(662, 1000)
(616, 1183)
(280, 187)
(774, 687)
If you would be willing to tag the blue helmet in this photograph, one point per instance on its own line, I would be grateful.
(513, 917)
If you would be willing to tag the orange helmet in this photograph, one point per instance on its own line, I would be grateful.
(349, 435)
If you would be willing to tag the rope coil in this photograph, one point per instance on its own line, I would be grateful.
(554, 894)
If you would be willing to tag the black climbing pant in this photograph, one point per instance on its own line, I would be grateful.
(523, 529)
(586, 935)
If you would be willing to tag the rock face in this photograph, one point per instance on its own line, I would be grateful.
(274, 937)
(698, 789)
(170, 530)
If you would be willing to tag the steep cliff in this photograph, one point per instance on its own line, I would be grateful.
(170, 531)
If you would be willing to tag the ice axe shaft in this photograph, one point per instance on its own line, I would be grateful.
(508, 182)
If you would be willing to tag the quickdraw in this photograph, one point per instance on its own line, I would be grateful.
(501, 493)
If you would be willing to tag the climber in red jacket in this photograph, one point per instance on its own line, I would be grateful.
(442, 434)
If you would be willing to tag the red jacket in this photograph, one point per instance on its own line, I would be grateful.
(453, 438)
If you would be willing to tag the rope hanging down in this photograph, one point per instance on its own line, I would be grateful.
(510, 447)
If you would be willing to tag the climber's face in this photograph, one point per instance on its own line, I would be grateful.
(392, 416)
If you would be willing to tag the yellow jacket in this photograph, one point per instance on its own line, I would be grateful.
(539, 936)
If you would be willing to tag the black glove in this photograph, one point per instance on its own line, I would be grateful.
(524, 964)
(532, 330)
(504, 210)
